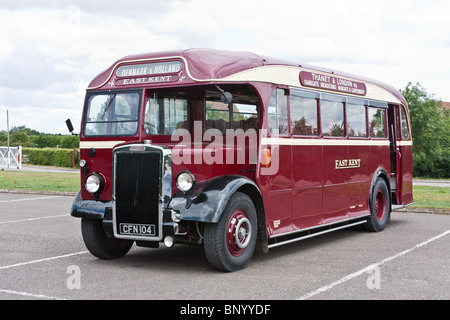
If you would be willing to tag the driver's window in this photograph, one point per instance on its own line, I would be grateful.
(165, 112)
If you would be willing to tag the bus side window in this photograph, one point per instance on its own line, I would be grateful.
(303, 115)
(278, 112)
(356, 120)
(377, 122)
(332, 116)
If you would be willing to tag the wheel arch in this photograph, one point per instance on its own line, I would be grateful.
(381, 173)
(255, 195)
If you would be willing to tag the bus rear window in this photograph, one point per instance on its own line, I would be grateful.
(112, 114)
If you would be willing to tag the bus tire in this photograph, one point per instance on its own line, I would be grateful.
(99, 244)
(379, 207)
(230, 243)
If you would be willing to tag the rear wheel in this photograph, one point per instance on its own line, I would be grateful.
(98, 242)
(379, 207)
(230, 243)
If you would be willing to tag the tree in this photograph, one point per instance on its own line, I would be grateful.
(430, 126)
(18, 138)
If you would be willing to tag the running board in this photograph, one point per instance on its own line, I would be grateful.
(306, 234)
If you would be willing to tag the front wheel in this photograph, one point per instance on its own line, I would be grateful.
(379, 207)
(229, 244)
(98, 242)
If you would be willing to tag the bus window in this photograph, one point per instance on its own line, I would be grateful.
(405, 131)
(356, 119)
(303, 115)
(332, 113)
(242, 113)
(278, 112)
(114, 114)
(377, 122)
(245, 116)
(165, 112)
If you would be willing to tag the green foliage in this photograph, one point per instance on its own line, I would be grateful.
(42, 149)
(430, 126)
(25, 137)
(50, 156)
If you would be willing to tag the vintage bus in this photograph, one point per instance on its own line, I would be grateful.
(236, 152)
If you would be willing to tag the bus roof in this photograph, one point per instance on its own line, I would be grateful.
(210, 65)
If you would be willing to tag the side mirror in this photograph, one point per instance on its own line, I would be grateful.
(70, 127)
(225, 97)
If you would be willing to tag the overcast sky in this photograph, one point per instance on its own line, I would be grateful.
(51, 50)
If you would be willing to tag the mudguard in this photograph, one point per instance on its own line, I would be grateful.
(380, 173)
(90, 209)
(208, 199)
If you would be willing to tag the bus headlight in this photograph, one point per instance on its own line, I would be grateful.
(185, 181)
(94, 183)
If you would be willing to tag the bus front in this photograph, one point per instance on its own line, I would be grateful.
(141, 137)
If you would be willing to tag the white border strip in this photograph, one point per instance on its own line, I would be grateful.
(404, 143)
(322, 142)
(99, 144)
(369, 268)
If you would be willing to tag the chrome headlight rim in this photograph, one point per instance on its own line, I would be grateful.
(94, 183)
(185, 181)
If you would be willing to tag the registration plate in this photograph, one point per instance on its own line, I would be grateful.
(137, 229)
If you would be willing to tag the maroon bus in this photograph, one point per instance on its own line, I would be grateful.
(236, 152)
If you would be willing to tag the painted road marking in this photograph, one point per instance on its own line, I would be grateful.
(369, 268)
(30, 199)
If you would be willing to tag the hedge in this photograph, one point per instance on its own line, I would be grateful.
(56, 157)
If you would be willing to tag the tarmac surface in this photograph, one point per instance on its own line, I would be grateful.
(43, 257)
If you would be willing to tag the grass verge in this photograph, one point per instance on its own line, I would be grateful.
(39, 181)
(431, 197)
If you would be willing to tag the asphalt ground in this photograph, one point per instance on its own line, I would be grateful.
(43, 257)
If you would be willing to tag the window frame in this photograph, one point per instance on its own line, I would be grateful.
(87, 109)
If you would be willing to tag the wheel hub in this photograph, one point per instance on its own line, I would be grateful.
(238, 233)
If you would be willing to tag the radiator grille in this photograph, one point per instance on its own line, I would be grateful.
(137, 189)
